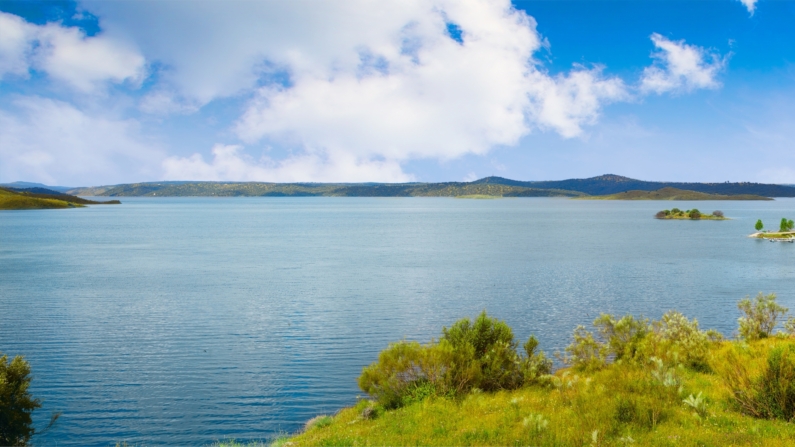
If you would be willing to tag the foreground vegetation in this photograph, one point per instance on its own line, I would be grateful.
(627, 381)
(11, 199)
(693, 214)
(669, 193)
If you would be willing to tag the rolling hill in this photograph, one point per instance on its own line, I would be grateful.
(489, 186)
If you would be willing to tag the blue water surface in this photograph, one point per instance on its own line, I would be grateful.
(189, 320)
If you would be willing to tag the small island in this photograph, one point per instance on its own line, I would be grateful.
(785, 233)
(693, 214)
(41, 198)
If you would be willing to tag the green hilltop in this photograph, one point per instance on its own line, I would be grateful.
(39, 198)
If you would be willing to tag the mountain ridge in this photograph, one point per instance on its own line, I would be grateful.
(601, 185)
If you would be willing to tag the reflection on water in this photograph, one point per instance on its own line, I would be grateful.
(187, 320)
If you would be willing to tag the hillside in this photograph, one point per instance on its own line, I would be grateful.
(489, 186)
(612, 184)
(40, 198)
(669, 193)
(217, 189)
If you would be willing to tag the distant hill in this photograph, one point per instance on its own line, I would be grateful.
(612, 184)
(218, 189)
(31, 185)
(673, 194)
(491, 186)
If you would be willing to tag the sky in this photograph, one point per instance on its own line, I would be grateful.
(101, 92)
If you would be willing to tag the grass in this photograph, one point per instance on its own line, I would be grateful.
(622, 404)
(12, 201)
(776, 235)
(21, 200)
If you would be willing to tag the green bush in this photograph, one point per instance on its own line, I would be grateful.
(770, 395)
(585, 353)
(776, 387)
(16, 403)
(405, 366)
(624, 336)
(490, 344)
(679, 340)
(480, 354)
(761, 316)
(694, 214)
(673, 338)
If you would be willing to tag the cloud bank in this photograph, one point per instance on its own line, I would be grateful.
(379, 84)
(349, 90)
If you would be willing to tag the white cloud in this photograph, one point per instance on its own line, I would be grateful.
(15, 35)
(229, 164)
(680, 67)
(66, 54)
(371, 84)
(750, 5)
(55, 143)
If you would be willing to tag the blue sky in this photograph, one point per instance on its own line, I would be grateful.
(98, 92)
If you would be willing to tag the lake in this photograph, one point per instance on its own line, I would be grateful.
(189, 320)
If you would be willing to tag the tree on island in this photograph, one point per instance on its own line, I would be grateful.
(694, 214)
(786, 225)
(759, 225)
(717, 213)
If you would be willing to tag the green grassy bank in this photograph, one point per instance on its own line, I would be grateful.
(628, 381)
(21, 200)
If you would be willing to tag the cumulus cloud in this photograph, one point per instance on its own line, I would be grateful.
(680, 67)
(750, 5)
(357, 88)
(15, 35)
(65, 54)
(55, 143)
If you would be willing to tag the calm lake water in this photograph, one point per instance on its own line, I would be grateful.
(188, 320)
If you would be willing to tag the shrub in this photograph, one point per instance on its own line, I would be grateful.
(771, 394)
(470, 355)
(789, 326)
(717, 213)
(680, 340)
(489, 344)
(623, 337)
(676, 211)
(759, 225)
(761, 316)
(694, 214)
(776, 387)
(534, 364)
(585, 353)
(16, 403)
(660, 214)
(403, 367)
